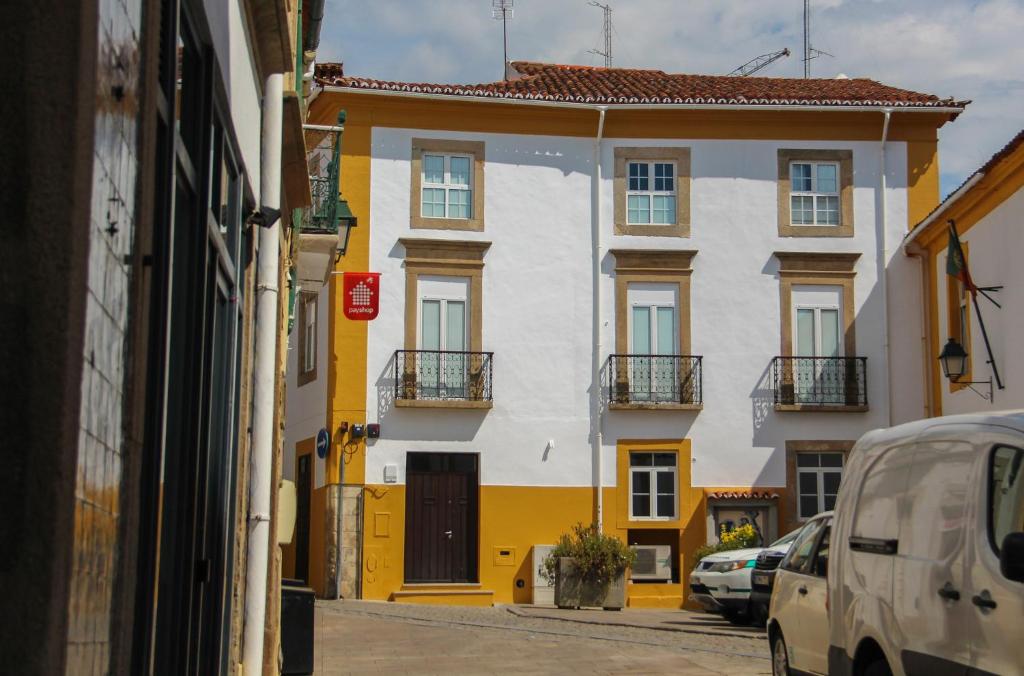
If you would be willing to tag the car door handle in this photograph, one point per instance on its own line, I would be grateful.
(449, 534)
(803, 591)
(947, 592)
(983, 600)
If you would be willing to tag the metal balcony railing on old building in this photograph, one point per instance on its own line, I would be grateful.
(806, 383)
(443, 376)
(653, 381)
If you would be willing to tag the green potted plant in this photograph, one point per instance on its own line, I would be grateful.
(589, 569)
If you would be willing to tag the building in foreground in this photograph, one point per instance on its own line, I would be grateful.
(987, 211)
(659, 302)
(152, 156)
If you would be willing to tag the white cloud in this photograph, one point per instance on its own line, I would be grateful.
(967, 49)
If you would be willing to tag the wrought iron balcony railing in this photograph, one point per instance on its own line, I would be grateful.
(655, 379)
(820, 381)
(442, 375)
(323, 215)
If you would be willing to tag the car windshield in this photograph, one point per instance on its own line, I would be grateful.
(786, 539)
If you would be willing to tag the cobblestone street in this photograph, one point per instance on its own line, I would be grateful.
(358, 637)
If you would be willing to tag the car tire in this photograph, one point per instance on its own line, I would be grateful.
(759, 614)
(737, 617)
(878, 668)
(780, 658)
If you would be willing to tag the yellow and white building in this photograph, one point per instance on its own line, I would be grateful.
(655, 301)
(988, 212)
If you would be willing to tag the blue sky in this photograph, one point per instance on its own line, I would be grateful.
(961, 48)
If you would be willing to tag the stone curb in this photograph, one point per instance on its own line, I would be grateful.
(518, 612)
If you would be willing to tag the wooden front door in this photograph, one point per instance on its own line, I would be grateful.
(441, 517)
(303, 488)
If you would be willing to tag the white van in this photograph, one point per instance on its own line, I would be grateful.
(926, 570)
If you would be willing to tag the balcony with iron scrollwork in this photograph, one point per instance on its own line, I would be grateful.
(655, 382)
(836, 384)
(443, 379)
(320, 239)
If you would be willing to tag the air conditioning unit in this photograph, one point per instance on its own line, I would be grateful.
(653, 562)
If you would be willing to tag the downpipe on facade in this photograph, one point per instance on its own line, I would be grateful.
(264, 372)
(883, 260)
(595, 394)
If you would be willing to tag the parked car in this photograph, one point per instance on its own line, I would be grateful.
(762, 576)
(721, 582)
(924, 558)
(798, 621)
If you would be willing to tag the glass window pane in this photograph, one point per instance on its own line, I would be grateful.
(433, 202)
(433, 169)
(664, 209)
(666, 317)
(831, 481)
(459, 170)
(800, 177)
(808, 483)
(804, 332)
(458, 203)
(802, 210)
(807, 460)
(455, 326)
(638, 177)
(666, 483)
(827, 178)
(641, 505)
(1007, 490)
(803, 545)
(830, 503)
(641, 330)
(827, 212)
(430, 333)
(829, 333)
(666, 505)
(831, 459)
(639, 208)
(641, 459)
(642, 482)
(663, 177)
(808, 506)
(664, 459)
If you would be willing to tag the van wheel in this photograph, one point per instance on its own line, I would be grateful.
(780, 661)
(737, 617)
(878, 668)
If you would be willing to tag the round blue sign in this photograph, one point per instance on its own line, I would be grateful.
(323, 442)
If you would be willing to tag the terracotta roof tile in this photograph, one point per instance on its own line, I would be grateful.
(587, 84)
(743, 495)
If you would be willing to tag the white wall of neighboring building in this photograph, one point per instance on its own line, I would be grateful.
(307, 405)
(537, 300)
(993, 251)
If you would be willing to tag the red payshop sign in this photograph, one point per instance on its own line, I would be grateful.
(361, 295)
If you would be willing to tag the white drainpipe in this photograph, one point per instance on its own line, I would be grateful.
(883, 254)
(595, 376)
(265, 366)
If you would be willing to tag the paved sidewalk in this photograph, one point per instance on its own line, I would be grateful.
(661, 620)
(356, 637)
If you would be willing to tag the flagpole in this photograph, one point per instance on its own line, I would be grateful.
(988, 347)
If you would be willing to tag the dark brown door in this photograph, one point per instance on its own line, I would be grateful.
(303, 487)
(441, 518)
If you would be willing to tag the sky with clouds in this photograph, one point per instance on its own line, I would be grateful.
(968, 49)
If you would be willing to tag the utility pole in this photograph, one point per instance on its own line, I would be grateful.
(502, 9)
(607, 53)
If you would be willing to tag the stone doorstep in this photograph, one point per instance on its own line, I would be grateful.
(628, 618)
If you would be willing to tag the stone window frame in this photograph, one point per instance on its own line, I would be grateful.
(815, 269)
(304, 377)
(680, 156)
(476, 149)
(793, 447)
(659, 267)
(444, 258)
(844, 158)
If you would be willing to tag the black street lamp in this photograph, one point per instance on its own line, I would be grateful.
(954, 364)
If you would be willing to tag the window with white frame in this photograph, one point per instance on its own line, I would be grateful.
(818, 478)
(653, 341)
(447, 186)
(814, 193)
(652, 485)
(309, 335)
(651, 193)
(443, 339)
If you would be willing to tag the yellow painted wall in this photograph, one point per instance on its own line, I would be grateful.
(922, 180)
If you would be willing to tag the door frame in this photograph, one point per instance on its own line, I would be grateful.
(299, 454)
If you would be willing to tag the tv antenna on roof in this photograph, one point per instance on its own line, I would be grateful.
(607, 53)
(809, 52)
(502, 9)
(760, 62)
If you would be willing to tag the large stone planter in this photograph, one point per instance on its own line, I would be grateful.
(572, 592)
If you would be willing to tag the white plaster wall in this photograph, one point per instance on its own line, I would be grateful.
(994, 246)
(306, 406)
(537, 309)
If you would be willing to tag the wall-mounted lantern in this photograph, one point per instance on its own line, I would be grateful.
(954, 363)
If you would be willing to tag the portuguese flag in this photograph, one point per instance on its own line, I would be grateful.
(956, 264)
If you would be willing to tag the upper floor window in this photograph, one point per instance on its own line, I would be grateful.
(652, 485)
(651, 193)
(447, 186)
(307, 328)
(818, 478)
(814, 193)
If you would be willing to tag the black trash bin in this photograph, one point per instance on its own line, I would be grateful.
(297, 602)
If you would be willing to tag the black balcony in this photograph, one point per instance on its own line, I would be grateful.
(433, 377)
(655, 381)
(822, 383)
